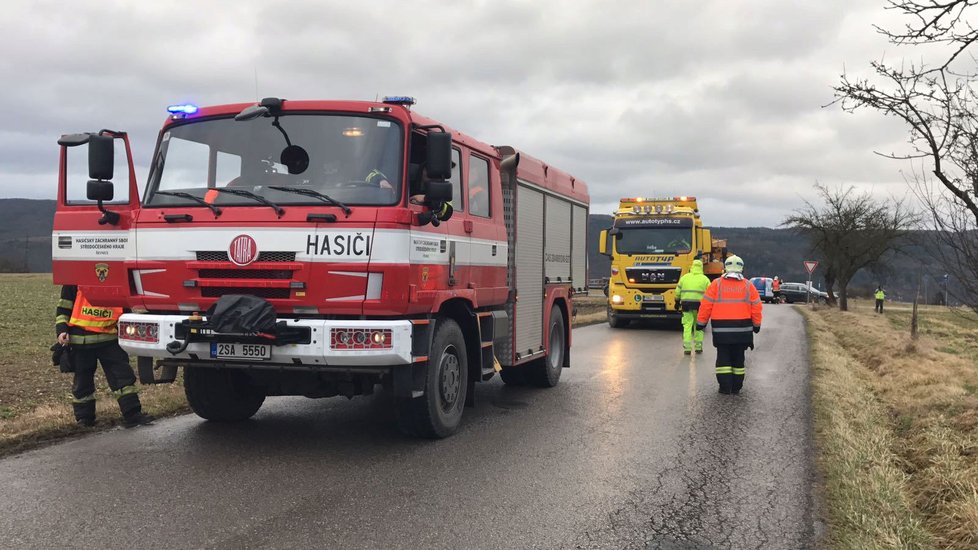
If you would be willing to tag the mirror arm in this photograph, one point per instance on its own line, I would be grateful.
(108, 217)
(438, 127)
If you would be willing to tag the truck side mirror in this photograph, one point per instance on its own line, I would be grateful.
(603, 243)
(439, 155)
(100, 190)
(101, 160)
(439, 191)
(101, 157)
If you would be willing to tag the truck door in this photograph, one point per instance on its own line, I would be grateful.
(89, 247)
(484, 226)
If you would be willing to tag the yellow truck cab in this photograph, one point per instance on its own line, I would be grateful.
(652, 243)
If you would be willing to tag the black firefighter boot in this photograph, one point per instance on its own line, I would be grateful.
(132, 411)
(85, 413)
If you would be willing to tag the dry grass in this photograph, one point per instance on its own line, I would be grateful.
(897, 427)
(35, 399)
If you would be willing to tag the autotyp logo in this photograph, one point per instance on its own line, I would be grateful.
(243, 250)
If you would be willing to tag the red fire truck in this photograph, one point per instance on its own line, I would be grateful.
(330, 215)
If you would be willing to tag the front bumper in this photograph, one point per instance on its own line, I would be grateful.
(318, 352)
(635, 315)
(639, 303)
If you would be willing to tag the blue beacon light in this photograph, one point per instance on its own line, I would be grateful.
(184, 109)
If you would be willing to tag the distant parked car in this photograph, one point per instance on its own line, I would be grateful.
(799, 292)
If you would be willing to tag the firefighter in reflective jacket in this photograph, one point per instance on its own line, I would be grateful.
(733, 306)
(690, 291)
(91, 335)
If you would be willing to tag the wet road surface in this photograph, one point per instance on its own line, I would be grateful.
(634, 449)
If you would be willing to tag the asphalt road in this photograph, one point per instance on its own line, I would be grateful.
(634, 449)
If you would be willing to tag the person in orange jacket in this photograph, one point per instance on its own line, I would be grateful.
(91, 332)
(733, 307)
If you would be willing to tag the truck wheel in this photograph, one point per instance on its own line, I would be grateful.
(615, 321)
(545, 373)
(221, 395)
(437, 414)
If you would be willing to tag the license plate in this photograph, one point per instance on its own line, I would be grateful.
(250, 352)
(652, 298)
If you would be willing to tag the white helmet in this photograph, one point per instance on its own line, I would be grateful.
(733, 264)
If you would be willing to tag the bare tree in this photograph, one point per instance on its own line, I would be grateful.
(938, 104)
(852, 231)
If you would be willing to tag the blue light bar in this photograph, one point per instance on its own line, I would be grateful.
(185, 109)
(399, 100)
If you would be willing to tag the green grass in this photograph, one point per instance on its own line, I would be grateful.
(35, 399)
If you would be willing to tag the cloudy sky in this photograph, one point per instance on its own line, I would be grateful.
(722, 99)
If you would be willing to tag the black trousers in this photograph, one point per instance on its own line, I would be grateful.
(730, 367)
(118, 373)
(879, 306)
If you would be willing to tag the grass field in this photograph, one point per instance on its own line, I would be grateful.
(35, 399)
(896, 425)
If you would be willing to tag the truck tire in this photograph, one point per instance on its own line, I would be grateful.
(437, 414)
(221, 395)
(545, 373)
(615, 321)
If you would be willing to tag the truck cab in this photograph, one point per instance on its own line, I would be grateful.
(652, 243)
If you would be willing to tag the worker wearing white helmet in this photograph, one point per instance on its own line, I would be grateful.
(733, 307)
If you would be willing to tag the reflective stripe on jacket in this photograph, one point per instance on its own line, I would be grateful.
(102, 320)
(84, 323)
(733, 307)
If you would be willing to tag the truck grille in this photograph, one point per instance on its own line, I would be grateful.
(275, 274)
(236, 279)
(653, 275)
(222, 256)
(267, 293)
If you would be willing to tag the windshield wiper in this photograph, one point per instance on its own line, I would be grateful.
(195, 198)
(313, 193)
(242, 193)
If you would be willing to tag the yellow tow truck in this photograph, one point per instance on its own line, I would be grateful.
(652, 243)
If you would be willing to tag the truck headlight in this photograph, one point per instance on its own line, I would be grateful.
(616, 299)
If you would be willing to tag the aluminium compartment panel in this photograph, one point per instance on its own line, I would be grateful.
(579, 248)
(528, 324)
(557, 240)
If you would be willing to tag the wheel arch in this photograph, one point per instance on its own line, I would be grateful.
(461, 311)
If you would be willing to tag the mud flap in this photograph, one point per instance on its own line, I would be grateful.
(148, 374)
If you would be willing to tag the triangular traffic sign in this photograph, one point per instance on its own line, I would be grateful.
(810, 265)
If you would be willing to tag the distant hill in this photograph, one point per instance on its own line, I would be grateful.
(25, 244)
(25, 234)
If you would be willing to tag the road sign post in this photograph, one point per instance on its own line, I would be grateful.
(810, 266)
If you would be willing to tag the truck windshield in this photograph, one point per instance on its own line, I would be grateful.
(351, 159)
(655, 240)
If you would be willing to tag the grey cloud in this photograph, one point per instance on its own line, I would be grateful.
(718, 99)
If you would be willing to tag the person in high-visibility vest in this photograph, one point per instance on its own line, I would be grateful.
(880, 296)
(439, 210)
(91, 334)
(733, 307)
(689, 292)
